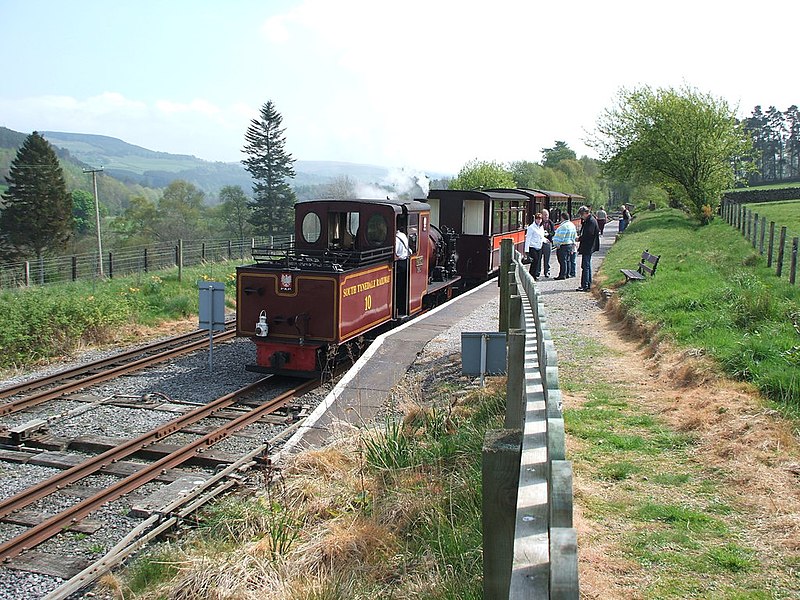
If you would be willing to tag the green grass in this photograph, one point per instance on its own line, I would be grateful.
(712, 292)
(783, 214)
(44, 322)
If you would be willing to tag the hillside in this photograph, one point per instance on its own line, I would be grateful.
(142, 169)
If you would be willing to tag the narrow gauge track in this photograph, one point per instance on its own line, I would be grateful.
(105, 369)
(57, 523)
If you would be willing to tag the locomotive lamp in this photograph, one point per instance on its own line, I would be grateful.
(262, 329)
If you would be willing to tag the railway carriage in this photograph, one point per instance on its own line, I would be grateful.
(302, 302)
(481, 219)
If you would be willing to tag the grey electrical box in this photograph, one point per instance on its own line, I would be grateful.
(483, 353)
(212, 305)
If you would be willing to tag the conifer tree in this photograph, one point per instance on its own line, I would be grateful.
(36, 213)
(270, 166)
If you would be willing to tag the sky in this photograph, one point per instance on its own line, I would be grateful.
(414, 84)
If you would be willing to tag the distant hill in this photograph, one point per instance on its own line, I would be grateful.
(142, 169)
(149, 168)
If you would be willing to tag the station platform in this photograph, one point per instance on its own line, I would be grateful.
(364, 391)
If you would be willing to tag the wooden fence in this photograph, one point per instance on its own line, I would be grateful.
(779, 245)
(530, 547)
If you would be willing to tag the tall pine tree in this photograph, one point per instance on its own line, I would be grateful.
(270, 166)
(36, 214)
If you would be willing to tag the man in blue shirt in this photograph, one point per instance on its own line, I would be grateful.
(564, 240)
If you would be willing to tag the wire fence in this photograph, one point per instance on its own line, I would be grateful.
(768, 238)
(129, 261)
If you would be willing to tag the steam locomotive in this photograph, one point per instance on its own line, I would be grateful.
(346, 275)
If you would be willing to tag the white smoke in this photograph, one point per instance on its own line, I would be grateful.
(401, 184)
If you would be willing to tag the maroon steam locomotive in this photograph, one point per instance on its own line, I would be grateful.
(302, 302)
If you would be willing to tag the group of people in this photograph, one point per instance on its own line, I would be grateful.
(541, 234)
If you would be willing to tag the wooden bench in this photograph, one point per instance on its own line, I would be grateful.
(647, 266)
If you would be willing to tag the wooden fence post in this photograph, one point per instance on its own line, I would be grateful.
(506, 251)
(755, 229)
(793, 269)
(500, 475)
(74, 268)
(564, 564)
(771, 242)
(781, 244)
(763, 235)
(110, 265)
(515, 380)
(145, 260)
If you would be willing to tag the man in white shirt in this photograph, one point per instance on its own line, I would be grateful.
(401, 246)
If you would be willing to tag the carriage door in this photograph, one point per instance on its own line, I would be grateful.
(401, 268)
(418, 231)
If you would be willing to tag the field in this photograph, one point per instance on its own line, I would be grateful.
(786, 214)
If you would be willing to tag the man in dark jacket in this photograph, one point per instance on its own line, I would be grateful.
(588, 243)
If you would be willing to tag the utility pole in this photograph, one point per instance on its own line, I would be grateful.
(94, 173)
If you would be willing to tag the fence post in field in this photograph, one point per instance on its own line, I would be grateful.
(74, 268)
(179, 259)
(203, 252)
(755, 230)
(771, 242)
(110, 265)
(145, 260)
(500, 475)
(781, 244)
(230, 250)
(793, 269)
(763, 235)
(27, 273)
(743, 227)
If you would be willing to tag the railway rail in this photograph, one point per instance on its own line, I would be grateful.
(55, 524)
(76, 378)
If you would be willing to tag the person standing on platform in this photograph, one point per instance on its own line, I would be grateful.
(588, 244)
(534, 240)
(564, 242)
(602, 218)
(549, 230)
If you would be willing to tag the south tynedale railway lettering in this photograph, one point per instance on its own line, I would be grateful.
(365, 286)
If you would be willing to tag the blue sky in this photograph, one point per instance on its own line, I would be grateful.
(415, 84)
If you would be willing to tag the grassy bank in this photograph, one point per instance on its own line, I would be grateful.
(713, 293)
(42, 323)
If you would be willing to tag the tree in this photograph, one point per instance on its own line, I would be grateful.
(83, 217)
(552, 156)
(139, 224)
(682, 140)
(235, 207)
(36, 215)
(526, 174)
(180, 210)
(270, 165)
(476, 175)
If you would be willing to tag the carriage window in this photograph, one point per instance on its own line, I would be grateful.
(497, 218)
(312, 228)
(434, 202)
(377, 230)
(472, 219)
